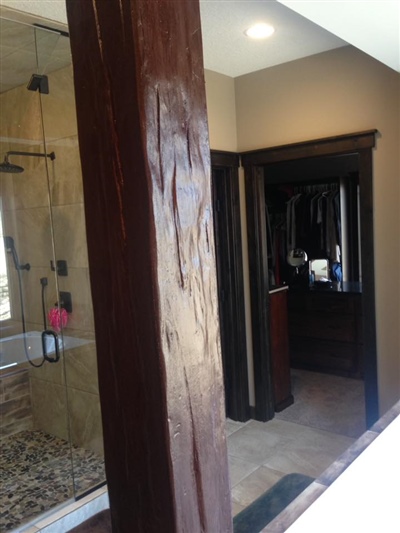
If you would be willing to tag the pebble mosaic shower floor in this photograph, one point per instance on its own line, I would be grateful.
(36, 475)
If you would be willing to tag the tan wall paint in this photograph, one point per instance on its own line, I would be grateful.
(220, 94)
(221, 109)
(337, 92)
(246, 284)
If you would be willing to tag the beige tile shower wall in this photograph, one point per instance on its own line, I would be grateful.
(49, 405)
(20, 116)
(69, 387)
(67, 199)
(25, 201)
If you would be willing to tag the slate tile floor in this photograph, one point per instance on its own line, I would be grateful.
(328, 415)
(35, 468)
(262, 453)
(36, 475)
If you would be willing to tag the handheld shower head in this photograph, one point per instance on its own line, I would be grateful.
(8, 243)
(10, 248)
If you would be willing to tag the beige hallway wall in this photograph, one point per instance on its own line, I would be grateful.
(333, 93)
(220, 94)
(221, 110)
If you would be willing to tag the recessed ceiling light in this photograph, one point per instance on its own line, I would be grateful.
(260, 31)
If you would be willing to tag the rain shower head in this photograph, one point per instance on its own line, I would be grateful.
(8, 167)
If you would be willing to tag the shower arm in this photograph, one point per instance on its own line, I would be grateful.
(51, 155)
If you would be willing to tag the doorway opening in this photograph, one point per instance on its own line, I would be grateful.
(294, 440)
(311, 207)
(267, 172)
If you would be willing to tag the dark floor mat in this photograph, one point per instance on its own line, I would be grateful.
(263, 510)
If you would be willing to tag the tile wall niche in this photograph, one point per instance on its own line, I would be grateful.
(64, 396)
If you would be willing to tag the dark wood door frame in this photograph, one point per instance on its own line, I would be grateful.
(258, 273)
(228, 245)
(253, 163)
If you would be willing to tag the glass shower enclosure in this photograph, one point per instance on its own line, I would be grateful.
(50, 431)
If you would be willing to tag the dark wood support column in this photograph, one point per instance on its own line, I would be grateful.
(143, 139)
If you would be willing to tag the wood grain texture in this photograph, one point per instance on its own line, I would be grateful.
(145, 159)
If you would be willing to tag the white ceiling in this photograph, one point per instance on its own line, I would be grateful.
(373, 26)
(227, 50)
(24, 51)
(303, 28)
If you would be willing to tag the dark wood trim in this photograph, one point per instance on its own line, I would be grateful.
(253, 162)
(353, 230)
(368, 282)
(353, 142)
(224, 159)
(258, 270)
(280, 354)
(228, 244)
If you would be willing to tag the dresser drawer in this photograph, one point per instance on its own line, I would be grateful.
(325, 331)
(330, 303)
(323, 326)
(323, 355)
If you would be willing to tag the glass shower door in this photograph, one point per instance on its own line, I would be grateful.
(50, 431)
(36, 463)
(71, 265)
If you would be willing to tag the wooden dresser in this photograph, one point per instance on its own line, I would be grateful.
(279, 344)
(325, 330)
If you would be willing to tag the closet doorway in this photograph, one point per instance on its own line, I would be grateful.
(345, 163)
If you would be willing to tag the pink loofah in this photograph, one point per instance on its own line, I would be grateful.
(58, 318)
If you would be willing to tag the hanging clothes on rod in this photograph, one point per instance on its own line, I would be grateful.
(313, 221)
(305, 216)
